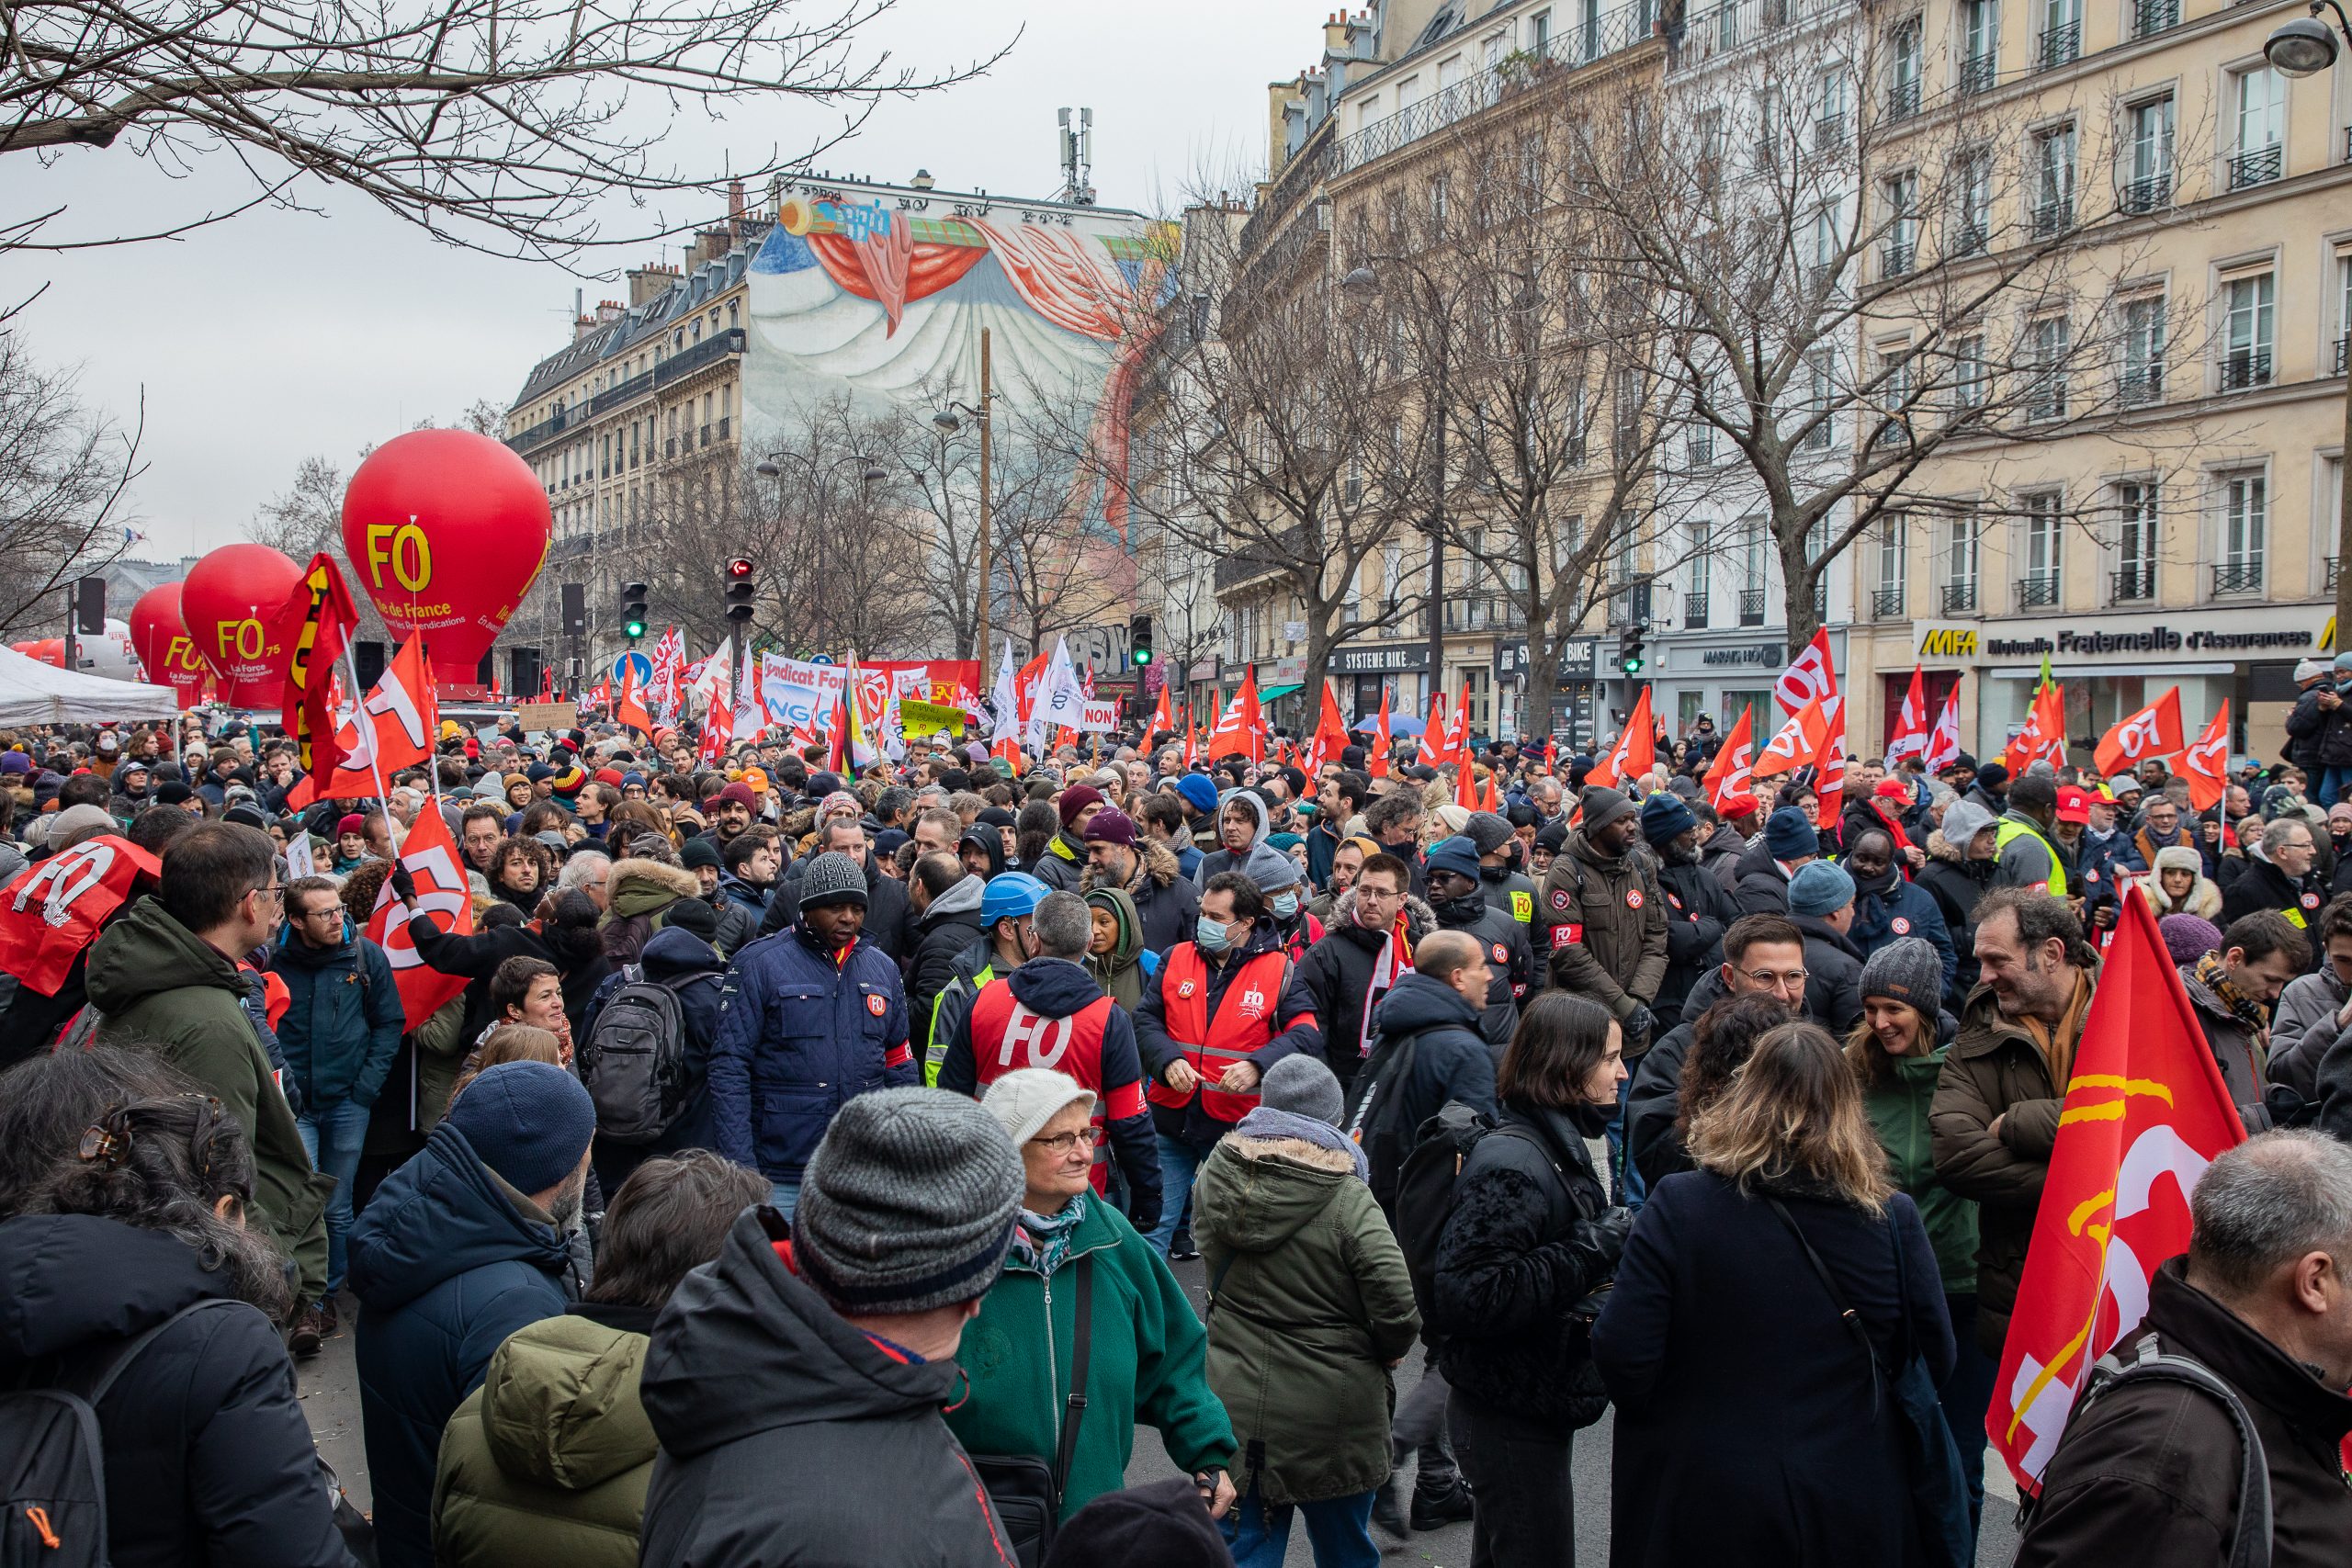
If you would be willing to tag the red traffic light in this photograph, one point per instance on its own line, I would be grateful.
(739, 567)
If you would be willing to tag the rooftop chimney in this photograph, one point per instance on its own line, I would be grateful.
(648, 282)
(922, 180)
(734, 201)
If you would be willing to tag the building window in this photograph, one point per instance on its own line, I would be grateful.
(2147, 168)
(2048, 340)
(1972, 189)
(1820, 394)
(1539, 33)
(2248, 331)
(1752, 578)
(1768, 131)
(2245, 521)
(1901, 195)
(1904, 73)
(2137, 513)
(1894, 567)
(2060, 41)
(2044, 519)
(1437, 200)
(2053, 182)
(2143, 352)
(1695, 605)
(1960, 565)
(2343, 311)
(1972, 378)
(1980, 44)
(2259, 104)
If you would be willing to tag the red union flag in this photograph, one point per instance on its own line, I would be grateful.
(2154, 731)
(1810, 676)
(391, 729)
(53, 909)
(2206, 765)
(2146, 1111)
(1797, 743)
(1944, 746)
(1911, 724)
(1635, 752)
(2043, 737)
(430, 857)
(1731, 773)
(1330, 739)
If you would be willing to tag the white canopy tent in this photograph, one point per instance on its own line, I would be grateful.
(34, 693)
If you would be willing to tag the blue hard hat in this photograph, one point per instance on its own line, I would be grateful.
(1011, 896)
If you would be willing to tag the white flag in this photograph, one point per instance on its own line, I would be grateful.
(1061, 698)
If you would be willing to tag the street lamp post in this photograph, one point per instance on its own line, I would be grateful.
(2306, 47)
(947, 420)
(1362, 282)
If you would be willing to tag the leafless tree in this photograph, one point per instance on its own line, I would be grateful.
(1845, 282)
(64, 470)
(500, 125)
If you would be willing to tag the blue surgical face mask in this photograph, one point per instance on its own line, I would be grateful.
(1211, 936)
(1286, 906)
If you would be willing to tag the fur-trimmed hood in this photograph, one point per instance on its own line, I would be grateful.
(638, 887)
(2204, 899)
(1154, 861)
(1283, 1185)
(1419, 918)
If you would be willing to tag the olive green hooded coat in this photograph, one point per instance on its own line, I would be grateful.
(1309, 1306)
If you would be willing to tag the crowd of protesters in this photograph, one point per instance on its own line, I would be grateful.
(797, 1174)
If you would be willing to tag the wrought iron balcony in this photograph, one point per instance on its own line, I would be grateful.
(1751, 606)
(2258, 167)
(1886, 604)
(2135, 583)
(1978, 74)
(2343, 352)
(2155, 16)
(2153, 194)
(1828, 132)
(1960, 598)
(2238, 577)
(2058, 46)
(2037, 589)
(1694, 611)
(2053, 217)
(1901, 100)
(2140, 386)
(2330, 587)
(1821, 601)
(1896, 256)
(1972, 238)
(2243, 368)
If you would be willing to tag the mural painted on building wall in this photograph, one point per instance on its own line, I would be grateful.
(880, 293)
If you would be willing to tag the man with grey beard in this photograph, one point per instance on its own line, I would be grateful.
(465, 1243)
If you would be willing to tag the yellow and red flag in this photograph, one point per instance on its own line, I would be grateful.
(2145, 1110)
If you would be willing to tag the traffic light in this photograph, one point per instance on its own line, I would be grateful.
(1139, 650)
(739, 590)
(632, 609)
(1629, 655)
(90, 606)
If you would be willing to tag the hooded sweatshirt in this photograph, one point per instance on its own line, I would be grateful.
(751, 1377)
(1121, 971)
(1223, 859)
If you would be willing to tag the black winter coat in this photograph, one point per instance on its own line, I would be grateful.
(476, 958)
(950, 925)
(2262, 885)
(1654, 1097)
(1449, 1059)
(209, 1458)
(1509, 954)
(1167, 903)
(887, 926)
(1698, 911)
(1958, 885)
(1506, 1278)
(1718, 1325)
(1833, 986)
(1337, 972)
(694, 971)
(790, 1438)
(2148, 1473)
(1758, 885)
(2306, 723)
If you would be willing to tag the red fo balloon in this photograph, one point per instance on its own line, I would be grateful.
(159, 636)
(232, 603)
(447, 530)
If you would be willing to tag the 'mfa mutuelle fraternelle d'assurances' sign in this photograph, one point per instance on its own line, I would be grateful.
(2252, 633)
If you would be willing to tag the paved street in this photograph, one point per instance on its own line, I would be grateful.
(331, 1395)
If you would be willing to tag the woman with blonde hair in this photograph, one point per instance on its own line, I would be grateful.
(1786, 1291)
(509, 1043)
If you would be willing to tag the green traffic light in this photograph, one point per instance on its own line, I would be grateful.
(634, 629)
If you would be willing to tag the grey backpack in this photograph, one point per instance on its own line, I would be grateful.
(634, 1062)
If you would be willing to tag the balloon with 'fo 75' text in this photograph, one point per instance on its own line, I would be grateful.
(159, 635)
(447, 530)
(232, 603)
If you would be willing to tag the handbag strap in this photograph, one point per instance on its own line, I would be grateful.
(1846, 1314)
(1083, 1306)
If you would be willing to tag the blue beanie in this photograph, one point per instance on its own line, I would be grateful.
(1456, 854)
(1009, 896)
(1820, 888)
(1789, 834)
(1199, 791)
(529, 1122)
(1664, 816)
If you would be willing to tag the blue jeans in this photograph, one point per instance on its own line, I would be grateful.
(2333, 783)
(332, 1137)
(1965, 1396)
(1180, 1161)
(1340, 1530)
(1630, 1188)
(783, 1197)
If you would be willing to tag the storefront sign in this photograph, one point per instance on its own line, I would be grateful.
(1944, 639)
(2251, 632)
(1281, 672)
(1762, 656)
(1379, 658)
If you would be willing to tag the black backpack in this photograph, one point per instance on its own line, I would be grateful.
(52, 1459)
(1376, 1120)
(1425, 1184)
(634, 1062)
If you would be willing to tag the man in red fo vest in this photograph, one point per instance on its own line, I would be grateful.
(1223, 1007)
(1050, 1013)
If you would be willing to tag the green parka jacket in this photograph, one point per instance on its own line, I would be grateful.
(1899, 1114)
(1311, 1306)
(157, 984)
(545, 1464)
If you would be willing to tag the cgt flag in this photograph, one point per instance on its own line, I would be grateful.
(430, 857)
(2146, 1111)
(1734, 761)
(1635, 752)
(1943, 742)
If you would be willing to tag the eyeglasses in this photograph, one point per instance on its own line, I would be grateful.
(1061, 1145)
(1769, 977)
(1377, 894)
(276, 891)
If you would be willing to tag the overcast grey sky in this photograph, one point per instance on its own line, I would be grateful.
(277, 336)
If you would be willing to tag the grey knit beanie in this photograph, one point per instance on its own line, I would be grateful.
(908, 1203)
(1489, 831)
(1905, 970)
(1303, 1087)
(833, 878)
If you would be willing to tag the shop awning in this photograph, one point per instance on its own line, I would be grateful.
(1270, 693)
